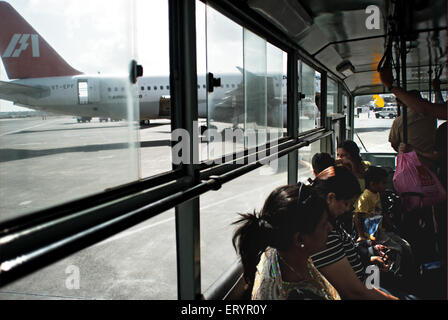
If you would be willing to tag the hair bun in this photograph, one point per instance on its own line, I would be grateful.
(263, 224)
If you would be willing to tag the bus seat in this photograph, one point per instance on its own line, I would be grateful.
(230, 286)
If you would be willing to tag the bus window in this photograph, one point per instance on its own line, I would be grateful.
(310, 104)
(305, 167)
(332, 97)
(217, 252)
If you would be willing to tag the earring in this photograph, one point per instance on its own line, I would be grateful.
(302, 245)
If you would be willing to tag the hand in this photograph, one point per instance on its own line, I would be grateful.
(361, 238)
(404, 148)
(381, 262)
(379, 248)
(386, 76)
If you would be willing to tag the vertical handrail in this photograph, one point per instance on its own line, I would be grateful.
(404, 86)
(292, 113)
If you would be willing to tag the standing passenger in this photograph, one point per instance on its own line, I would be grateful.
(421, 134)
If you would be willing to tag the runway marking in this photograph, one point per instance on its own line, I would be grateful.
(129, 233)
(37, 125)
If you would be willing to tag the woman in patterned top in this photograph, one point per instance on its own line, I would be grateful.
(291, 226)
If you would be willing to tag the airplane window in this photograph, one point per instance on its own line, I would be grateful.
(155, 87)
(203, 86)
(199, 87)
(142, 88)
(148, 87)
(161, 87)
(109, 89)
(227, 85)
(168, 87)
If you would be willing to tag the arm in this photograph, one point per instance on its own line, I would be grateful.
(403, 148)
(358, 226)
(349, 286)
(436, 110)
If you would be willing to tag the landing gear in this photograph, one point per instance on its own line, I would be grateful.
(83, 119)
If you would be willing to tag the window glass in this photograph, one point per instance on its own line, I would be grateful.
(136, 264)
(310, 103)
(55, 150)
(220, 209)
(332, 97)
(305, 167)
(248, 106)
(374, 115)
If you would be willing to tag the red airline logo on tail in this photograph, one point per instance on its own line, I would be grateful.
(19, 43)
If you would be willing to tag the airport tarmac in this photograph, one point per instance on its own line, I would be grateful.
(47, 162)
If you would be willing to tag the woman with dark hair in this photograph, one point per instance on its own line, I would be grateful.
(275, 245)
(349, 156)
(340, 262)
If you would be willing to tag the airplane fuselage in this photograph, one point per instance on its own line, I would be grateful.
(113, 96)
(100, 96)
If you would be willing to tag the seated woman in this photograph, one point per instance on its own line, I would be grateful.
(291, 226)
(340, 262)
(348, 155)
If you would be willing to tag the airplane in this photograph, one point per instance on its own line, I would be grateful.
(42, 80)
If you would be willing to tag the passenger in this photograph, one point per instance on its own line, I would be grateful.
(348, 155)
(421, 134)
(369, 202)
(369, 205)
(291, 226)
(321, 161)
(340, 262)
(418, 104)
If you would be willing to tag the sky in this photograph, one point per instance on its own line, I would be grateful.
(102, 36)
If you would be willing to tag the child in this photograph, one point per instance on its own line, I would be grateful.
(368, 205)
(321, 161)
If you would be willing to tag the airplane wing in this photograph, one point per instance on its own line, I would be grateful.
(10, 91)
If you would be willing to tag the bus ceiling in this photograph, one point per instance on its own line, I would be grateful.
(349, 37)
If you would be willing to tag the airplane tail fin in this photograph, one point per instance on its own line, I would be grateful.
(25, 54)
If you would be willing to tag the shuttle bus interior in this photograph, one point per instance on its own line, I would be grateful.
(308, 81)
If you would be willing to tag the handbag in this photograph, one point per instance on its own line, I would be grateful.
(415, 182)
